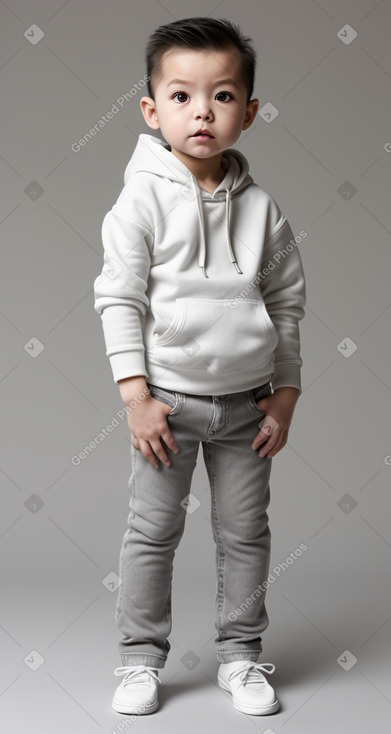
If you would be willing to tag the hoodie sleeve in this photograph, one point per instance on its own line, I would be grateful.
(284, 293)
(120, 291)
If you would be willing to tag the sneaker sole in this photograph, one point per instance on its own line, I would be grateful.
(270, 708)
(136, 710)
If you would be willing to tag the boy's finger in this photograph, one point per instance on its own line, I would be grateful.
(169, 440)
(157, 447)
(147, 452)
(271, 449)
(136, 443)
(268, 426)
(263, 442)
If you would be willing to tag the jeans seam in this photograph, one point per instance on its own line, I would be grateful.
(220, 546)
(168, 609)
(132, 481)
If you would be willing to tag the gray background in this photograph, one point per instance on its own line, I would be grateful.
(62, 524)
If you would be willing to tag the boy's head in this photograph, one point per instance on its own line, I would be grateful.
(215, 64)
(199, 34)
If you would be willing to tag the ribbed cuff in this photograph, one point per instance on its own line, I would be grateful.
(127, 364)
(287, 375)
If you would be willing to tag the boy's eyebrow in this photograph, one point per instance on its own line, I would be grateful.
(189, 84)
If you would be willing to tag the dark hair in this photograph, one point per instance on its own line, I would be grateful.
(199, 33)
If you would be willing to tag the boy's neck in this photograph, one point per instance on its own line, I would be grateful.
(208, 172)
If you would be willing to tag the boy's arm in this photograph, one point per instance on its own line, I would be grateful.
(284, 294)
(283, 290)
(120, 292)
(121, 300)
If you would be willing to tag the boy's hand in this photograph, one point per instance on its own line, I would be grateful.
(279, 409)
(148, 423)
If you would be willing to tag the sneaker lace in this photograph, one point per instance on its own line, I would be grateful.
(253, 672)
(136, 673)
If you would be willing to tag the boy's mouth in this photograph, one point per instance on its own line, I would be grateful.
(202, 134)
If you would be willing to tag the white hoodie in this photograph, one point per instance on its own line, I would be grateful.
(201, 293)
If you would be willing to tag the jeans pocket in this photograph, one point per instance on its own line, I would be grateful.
(258, 393)
(166, 396)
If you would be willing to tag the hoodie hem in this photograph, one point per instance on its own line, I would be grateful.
(198, 382)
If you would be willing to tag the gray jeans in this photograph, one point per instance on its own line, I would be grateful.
(226, 426)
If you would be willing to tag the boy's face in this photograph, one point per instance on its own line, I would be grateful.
(200, 101)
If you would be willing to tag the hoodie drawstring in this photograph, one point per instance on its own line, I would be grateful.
(228, 222)
(202, 244)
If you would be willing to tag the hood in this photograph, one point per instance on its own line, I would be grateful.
(154, 156)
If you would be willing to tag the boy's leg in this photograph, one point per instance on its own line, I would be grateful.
(156, 523)
(240, 495)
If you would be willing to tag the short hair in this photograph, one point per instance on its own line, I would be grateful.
(199, 33)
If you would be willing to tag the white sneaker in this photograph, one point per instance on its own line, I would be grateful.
(251, 693)
(138, 691)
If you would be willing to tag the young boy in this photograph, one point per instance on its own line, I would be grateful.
(200, 298)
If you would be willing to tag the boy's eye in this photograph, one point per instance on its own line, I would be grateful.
(177, 95)
(225, 94)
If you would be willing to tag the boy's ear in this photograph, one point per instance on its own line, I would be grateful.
(148, 109)
(251, 111)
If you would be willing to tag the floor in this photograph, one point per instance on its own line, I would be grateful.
(66, 682)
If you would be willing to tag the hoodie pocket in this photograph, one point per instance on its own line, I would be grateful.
(217, 335)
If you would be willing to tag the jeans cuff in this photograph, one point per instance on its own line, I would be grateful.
(229, 657)
(140, 658)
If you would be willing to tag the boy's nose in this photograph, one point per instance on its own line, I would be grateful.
(202, 108)
(203, 112)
